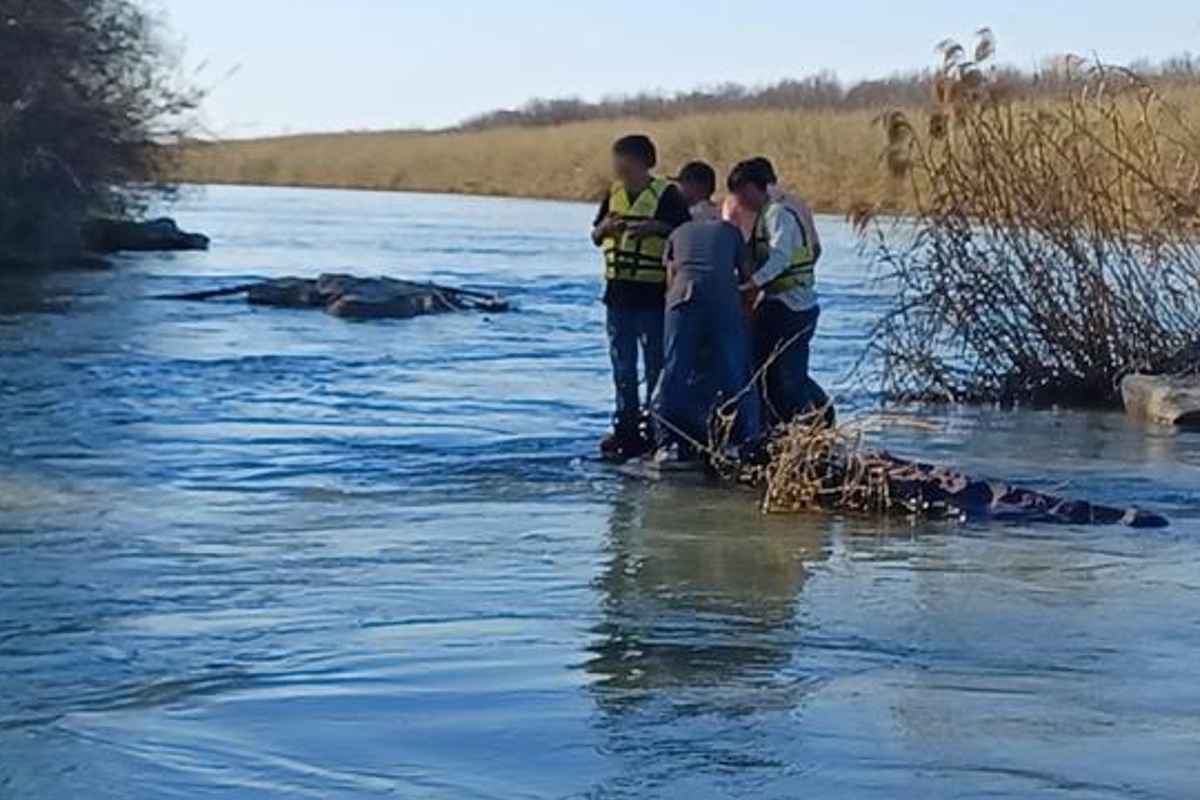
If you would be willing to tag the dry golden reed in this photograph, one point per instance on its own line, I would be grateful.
(830, 157)
(1054, 246)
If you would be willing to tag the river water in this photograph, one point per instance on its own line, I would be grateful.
(270, 554)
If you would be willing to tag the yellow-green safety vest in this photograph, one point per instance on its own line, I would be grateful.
(802, 271)
(630, 258)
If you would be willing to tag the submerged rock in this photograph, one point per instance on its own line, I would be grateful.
(349, 297)
(285, 293)
(1163, 399)
(157, 235)
(376, 302)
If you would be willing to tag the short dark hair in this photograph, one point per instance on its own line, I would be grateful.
(764, 163)
(639, 147)
(750, 172)
(700, 174)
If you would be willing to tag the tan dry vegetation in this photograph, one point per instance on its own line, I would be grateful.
(832, 158)
(1052, 248)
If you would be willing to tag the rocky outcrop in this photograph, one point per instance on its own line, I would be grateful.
(349, 297)
(157, 235)
(357, 298)
(1163, 399)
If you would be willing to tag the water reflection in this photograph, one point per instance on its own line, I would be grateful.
(30, 292)
(702, 617)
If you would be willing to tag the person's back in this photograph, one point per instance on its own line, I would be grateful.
(804, 213)
(707, 345)
(706, 247)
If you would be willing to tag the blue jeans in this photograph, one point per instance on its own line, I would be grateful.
(707, 359)
(789, 390)
(631, 330)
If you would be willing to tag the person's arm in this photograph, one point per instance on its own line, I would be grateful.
(745, 265)
(783, 235)
(605, 224)
(652, 227)
(672, 212)
(669, 260)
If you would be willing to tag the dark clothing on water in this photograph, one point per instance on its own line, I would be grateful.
(707, 354)
(672, 210)
(788, 388)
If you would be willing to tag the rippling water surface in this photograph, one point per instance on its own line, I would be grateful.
(270, 554)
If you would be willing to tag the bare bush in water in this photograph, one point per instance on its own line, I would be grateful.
(1054, 244)
(88, 94)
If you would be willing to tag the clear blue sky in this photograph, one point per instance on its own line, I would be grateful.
(343, 64)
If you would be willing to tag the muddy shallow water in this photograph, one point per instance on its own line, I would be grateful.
(261, 553)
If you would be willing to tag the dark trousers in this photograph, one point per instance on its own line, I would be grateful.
(786, 336)
(707, 359)
(632, 331)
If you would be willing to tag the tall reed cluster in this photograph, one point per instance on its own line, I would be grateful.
(1054, 245)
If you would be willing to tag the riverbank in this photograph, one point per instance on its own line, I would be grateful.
(831, 157)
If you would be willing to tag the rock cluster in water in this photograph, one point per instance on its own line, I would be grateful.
(156, 235)
(349, 297)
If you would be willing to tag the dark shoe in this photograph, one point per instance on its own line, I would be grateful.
(622, 447)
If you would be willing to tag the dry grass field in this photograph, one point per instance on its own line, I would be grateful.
(832, 158)
(820, 134)
(1049, 234)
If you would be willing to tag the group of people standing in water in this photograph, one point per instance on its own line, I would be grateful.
(719, 305)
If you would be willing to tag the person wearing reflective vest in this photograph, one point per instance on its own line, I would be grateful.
(781, 278)
(634, 245)
(637, 215)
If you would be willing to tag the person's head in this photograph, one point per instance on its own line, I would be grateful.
(633, 158)
(697, 182)
(768, 169)
(748, 182)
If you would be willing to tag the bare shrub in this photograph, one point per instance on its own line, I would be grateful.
(1054, 245)
(88, 96)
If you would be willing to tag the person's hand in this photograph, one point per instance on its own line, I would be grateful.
(750, 294)
(640, 230)
(610, 225)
